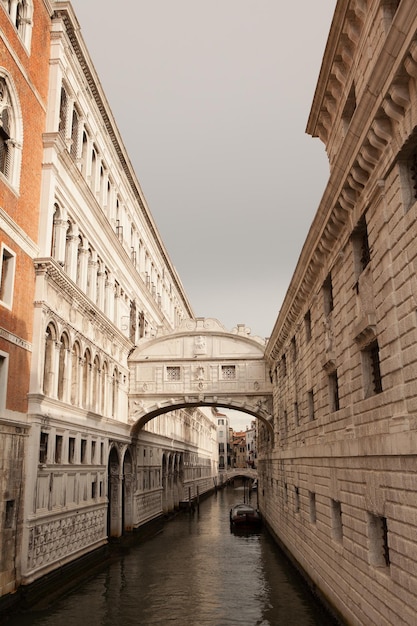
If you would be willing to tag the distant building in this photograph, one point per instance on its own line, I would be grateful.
(239, 449)
(223, 439)
(251, 451)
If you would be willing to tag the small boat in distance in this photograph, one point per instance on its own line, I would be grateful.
(244, 515)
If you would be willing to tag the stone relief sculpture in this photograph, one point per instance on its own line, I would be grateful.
(200, 346)
(199, 373)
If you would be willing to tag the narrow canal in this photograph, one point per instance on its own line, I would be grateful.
(196, 572)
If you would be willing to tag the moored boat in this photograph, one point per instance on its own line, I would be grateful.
(245, 515)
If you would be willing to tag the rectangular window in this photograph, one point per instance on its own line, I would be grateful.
(7, 272)
(43, 448)
(9, 518)
(71, 450)
(361, 250)
(296, 414)
(310, 400)
(285, 424)
(334, 392)
(4, 363)
(228, 372)
(407, 167)
(371, 370)
(294, 349)
(336, 515)
(312, 500)
(297, 499)
(328, 295)
(173, 373)
(58, 448)
(93, 451)
(378, 541)
(307, 325)
(83, 450)
(284, 365)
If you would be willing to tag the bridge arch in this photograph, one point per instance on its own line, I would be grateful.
(199, 364)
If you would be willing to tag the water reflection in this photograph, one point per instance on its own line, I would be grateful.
(195, 573)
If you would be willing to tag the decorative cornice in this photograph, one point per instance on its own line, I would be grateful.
(14, 339)
(377, 121)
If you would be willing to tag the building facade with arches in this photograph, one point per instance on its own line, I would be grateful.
(24, 68)
(84, 277)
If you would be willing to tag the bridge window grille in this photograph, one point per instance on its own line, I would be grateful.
(228, 372)
(173, 373)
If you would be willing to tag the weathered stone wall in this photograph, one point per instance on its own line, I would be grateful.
(12, 453)
(338, 486)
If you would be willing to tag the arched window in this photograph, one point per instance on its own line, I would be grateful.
(74, 134)
(84, 154)
(96, 385)
(115, 392)
(94, 173)
(11, 132)
(24, 12)
(91, 278)
(68, 241)
(49, 362)
(86, 379)
(21, 12)
(63, 111)
(54, 241)
(59, 231)
(63, 368)
(104, 395)
(75, 374)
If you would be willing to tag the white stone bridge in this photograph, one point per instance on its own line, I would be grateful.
(199, 364)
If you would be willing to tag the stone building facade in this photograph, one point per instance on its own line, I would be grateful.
(24, 67)
(85, 276)
(338, 484)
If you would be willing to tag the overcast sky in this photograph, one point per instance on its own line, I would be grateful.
(212, 99)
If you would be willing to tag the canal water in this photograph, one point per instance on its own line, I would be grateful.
(196, 572)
